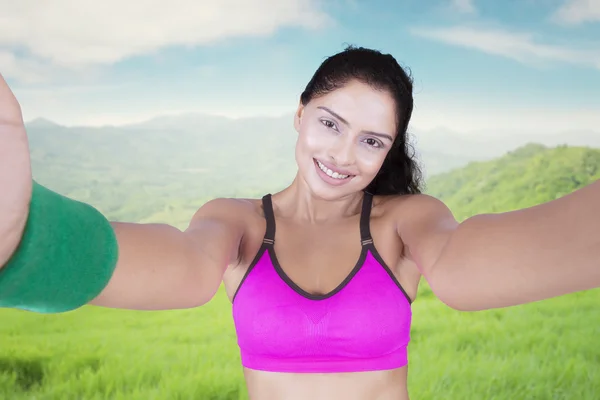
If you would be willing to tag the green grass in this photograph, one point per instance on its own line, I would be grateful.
(542, 351)
(546, 350)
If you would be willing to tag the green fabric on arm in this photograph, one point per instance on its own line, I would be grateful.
(66, 256)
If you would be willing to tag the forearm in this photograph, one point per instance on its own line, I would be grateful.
(12, 227)
(155, 270)
(71, 255)
(11, 237)
(500, 260)
(16, 188)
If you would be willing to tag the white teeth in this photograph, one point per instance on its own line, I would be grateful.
(331, 173)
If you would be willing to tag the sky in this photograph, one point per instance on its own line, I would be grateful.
(478, 65)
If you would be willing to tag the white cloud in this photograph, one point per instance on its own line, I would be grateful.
(474, 116)
(464, 6)
(78, 34)
(27, 71)
(119, 104)
(521, 47)
(578, 11)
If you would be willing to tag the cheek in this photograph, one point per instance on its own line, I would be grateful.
(313, 139)
(370, 161)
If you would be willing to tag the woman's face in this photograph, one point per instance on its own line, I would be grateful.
(343, 139)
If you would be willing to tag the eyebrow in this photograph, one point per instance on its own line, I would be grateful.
(345, 122)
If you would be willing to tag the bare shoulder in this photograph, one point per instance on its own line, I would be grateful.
(226, 209)
(423, 223)
(241, 215)
(413, 208)
(410, 200)
(401, 214)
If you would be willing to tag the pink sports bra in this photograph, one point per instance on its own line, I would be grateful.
(362, 325)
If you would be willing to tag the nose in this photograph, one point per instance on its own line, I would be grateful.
(342, 152)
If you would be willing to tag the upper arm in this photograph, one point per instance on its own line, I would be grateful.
(425, 227)
(161, 267)
(216, 231)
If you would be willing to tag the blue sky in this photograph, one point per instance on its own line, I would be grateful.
(478, 65)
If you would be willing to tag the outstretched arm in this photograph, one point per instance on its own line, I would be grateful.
(510, 258)
(57, 254)
(161, 267)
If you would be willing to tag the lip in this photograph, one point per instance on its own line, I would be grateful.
(329, 180)
(334, 168)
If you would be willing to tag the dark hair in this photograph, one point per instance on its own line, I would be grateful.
(400, 173)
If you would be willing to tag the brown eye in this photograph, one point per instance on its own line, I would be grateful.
(328, 123)
(373, 142)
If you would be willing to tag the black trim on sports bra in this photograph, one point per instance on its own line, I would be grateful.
(268, 239)
(367, 240)
(365, 218)
(313, 296)
(365, 237)
(376, 255)
(366, 244)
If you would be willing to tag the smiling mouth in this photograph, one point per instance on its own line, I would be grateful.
(330, 173)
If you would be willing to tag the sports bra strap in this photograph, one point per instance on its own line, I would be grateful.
(270, 218)
(365, 216)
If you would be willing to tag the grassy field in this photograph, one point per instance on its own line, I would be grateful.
(546, 350)
(543, 351)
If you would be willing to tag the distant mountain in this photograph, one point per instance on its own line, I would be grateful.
(167, 166)
(170, 164)
(439, 150)
(41, 123)
(527, 176)
(486, 145)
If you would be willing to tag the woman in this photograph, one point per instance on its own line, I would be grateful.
(321, 274)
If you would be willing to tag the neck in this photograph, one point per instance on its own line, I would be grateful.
(299, 203)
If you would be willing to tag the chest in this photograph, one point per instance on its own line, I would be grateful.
(319, 258)
(366, 315)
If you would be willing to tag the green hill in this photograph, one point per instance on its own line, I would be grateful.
(164, 169)
(152, 174)
(543, 350)
(527, 176)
